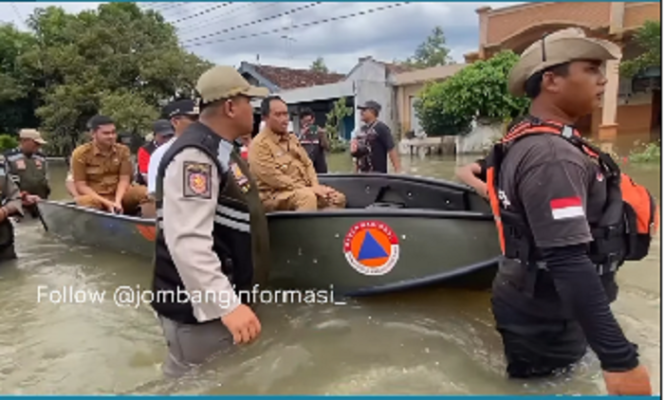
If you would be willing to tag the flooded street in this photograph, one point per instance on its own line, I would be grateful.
(438, 341)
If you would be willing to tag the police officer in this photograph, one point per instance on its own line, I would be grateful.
(10, 205)
(27, 167)
(314, 140)
(212, 236)
(549, 299)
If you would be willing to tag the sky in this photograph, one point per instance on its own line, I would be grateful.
(386, 35)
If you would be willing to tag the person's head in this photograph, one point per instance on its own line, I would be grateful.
(181, 113)
(30, 141)
(163, 131)
(102, 130)
(564, 70)
(369, 111)
(274, 112)
(225, 101)
(307, 118)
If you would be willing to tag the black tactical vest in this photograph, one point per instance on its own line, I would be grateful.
(240, 230)
(150, 148)
(29, 173)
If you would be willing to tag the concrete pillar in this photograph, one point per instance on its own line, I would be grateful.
(608, 129)
(483, 13)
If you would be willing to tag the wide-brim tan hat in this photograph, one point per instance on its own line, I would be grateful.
(31, 134)
(223, 82)
(560, 47)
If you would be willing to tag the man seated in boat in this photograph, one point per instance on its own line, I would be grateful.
(26, 166)
(285, 175)
(102, 171)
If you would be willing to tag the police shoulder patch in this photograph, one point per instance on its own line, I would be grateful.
(197, 180)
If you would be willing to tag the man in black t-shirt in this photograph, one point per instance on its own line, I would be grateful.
(374, 143)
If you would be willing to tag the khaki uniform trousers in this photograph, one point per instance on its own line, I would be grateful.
(133, 198)
(304, 199)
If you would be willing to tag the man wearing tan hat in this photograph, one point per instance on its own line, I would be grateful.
(549, 300)
(27, 167)
(212, 238)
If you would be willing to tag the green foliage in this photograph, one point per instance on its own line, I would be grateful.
(646, 153)
(431, 52)
(649, 40)
(117, 59)
(319, 65)
(7, 142)
(334, 118)
(477, 91)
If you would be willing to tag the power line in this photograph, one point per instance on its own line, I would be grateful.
(303, 25)
(261, 20)
(233, 12)
(198, 14)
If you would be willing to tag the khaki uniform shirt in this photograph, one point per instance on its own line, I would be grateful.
(280, 163)
(101, 171)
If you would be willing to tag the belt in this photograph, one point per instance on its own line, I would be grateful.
(601, 269)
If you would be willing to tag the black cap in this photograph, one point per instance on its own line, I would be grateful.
(163, 127)
(180, 107)
(371, 105)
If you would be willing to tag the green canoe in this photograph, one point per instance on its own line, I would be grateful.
(398, 232)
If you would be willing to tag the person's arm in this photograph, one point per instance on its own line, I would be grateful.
(472, 175)
(78, 169)
(265, 168)
(554, 197)
(385, 136)
(13, 204)
(188, 221)
(126, 169)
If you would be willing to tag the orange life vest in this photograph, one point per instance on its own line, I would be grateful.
(623, 232)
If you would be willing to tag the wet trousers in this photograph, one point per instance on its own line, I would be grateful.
(190, 346)
(303, 199)
(536, 345)
(135, 196)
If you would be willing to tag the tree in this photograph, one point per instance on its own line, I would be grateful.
(319, 65)
(649, 39)
(333, 121)
(117, 59)
(479, 91)
(431, 52)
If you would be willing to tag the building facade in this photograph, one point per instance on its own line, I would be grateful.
(631, 108)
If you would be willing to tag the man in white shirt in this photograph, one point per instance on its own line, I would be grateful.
(181, 113)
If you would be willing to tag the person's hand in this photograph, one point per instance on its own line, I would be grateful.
(353, 145)
(31, 199)
(322, 191)
(482, 189)
(243, 324)
(117, 207)
(635, 382)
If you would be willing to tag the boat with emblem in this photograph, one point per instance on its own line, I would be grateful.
(397, 232)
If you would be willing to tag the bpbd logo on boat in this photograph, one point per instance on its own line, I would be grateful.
(371, 247)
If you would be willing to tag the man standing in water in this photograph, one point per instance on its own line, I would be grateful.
(10, 204)
(27, 167)
(212, 238)
(374, 143)
(551, 296)
(314, 140)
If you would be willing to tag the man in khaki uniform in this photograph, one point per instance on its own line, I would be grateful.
(10, 204)
(102, 172)
(286, 177)
(212, 237)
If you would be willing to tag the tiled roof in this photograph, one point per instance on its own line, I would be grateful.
(289, 78)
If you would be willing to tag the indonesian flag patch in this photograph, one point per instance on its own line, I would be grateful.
(568, 207)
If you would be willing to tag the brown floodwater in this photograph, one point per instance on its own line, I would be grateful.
(435, 341)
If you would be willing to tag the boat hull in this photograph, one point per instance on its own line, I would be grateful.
(374, 247)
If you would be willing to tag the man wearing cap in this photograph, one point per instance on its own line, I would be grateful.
(102, 171)
(286, 176)
(374, 143)
(549, 300)
(27, 167)
(162, 132)
(212, 237)
(181, 114)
